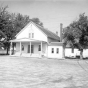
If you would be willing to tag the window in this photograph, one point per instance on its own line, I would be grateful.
(32, 35)
(29, 35)
(57, 50)
(52, 51)
(39, 48)
(22, 48)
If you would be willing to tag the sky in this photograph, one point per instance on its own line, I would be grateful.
(50, 12)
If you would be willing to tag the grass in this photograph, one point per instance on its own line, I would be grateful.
(19, 72)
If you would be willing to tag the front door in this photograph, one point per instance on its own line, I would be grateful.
(32, 48)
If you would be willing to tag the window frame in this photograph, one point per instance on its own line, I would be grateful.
(52, 50)
(29, 35)
(57, 50)
(32, 35)
(39, 48)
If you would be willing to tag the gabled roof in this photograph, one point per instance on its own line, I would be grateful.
(48, 33)
(45, 31)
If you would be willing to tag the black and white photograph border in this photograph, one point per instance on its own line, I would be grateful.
(43, 44)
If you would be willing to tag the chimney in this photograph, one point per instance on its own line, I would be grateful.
(57, 33)
(61, 28)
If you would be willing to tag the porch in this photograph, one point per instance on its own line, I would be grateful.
(27, 55)
(28, 48)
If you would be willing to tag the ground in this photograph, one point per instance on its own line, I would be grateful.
(20, 72)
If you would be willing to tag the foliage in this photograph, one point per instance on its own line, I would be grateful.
(37, 21)
(20, 22)
(11, 24)
(2, 37)
(76, 34)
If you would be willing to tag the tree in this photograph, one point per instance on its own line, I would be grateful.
(76, 34)
(20, 22)
(2, 38)
(37, 21)
(4, 23)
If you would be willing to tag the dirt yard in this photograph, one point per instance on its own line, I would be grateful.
(19, 72)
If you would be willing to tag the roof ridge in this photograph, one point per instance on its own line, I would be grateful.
(46, 29)
(53, 33)
(48, 32)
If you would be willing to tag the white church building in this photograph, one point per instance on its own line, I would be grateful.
(36, 41)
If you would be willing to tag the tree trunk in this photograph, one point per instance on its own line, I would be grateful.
(8, 46)
(81, 54)
(7, 51)
(13, 49)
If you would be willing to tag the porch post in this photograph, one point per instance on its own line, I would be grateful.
(41, 48)
(20, 48)
(11, 48)
(30, 48)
